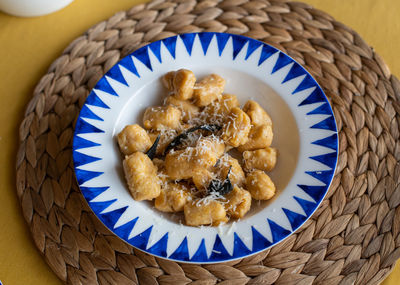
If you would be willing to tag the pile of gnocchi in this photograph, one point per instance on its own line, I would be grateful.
(184, 157)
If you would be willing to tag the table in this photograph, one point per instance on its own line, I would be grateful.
(29, 45)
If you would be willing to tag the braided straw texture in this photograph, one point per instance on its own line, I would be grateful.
(353, 238)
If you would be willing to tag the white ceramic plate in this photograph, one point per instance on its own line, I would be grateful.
(304, 133)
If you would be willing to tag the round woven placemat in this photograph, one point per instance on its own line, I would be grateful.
(353, 238)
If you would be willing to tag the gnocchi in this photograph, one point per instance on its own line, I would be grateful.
(173, 197)
(208, 89)
(133, 138)
(221, 107)
(141, 176)
(185, 157)
(160, 118)
(257, 114)
(237, 128)
(230, 165)
(259, 137)
(239, 202)
(262, 159)
(188, 109)
(260, 185)
(197, 213)
(180, 82)
(203, 156)
(201, 178)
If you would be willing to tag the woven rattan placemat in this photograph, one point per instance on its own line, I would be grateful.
(352, 239)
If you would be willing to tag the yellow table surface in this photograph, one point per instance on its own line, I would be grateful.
(29, 45)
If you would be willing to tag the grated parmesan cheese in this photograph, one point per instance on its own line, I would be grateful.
(213, 196)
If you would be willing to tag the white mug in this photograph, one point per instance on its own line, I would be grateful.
(32, 8)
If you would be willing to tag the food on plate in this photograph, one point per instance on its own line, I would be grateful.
(188, 109)
(163, 117)
(238, 202)
(141, 176)
(257, 114)
(180, 83)
(200, 153)
(208, 89)
(259, 137)
(260, 185)
(236, 128)
(228, 164)
(133, 138)
(173, 197)
(263, 159)
(199, 213)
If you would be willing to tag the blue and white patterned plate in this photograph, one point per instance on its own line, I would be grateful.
(304, 133)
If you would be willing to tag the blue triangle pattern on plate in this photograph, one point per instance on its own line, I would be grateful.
(327, 124)
(219, 251)
(259, 241)
(324, 109)
(182, 252)
(124, 230)
(112, 217)
(128, 63)
(188, 40)
(156, 49)
(281, 62)
(253, 45)
(170, 44)
(84, 175)
(92, 192)
(82, 159)
(308, 82)
(141, 239)
(105, 86)
(238, 44)
(142, 55)
(322, 175)
(329, 142)
(83, 127)
(307, 206)
(82, 143)
(315, 97)
(329, 159)
(205, 39)
(239, 248)
(87, 113)
(295, 219)
(222, 40)
(99, 207)
(266, 52)
(116, 74)
(160, 247)
(278, 233)
(316, 192)
(94, 100)
(295, 71)
(201, 253)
